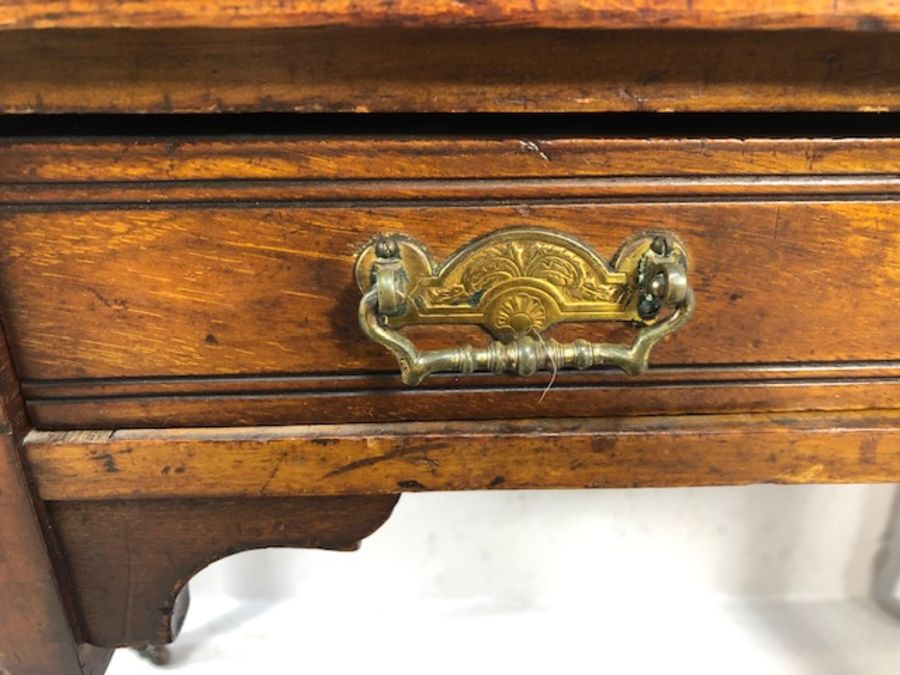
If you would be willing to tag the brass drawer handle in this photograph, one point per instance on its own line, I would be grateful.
(516, 283)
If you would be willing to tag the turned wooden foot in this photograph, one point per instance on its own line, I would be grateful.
(158, 655)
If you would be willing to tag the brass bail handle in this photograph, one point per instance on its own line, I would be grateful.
(516, 283)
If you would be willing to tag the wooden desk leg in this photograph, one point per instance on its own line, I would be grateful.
(114, 573)
(130, 560)
(36, 635)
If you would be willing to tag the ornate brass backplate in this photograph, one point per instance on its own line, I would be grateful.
(516, 283)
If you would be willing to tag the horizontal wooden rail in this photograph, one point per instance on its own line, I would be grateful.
(377, 459)
(668, 189)
(544, 151)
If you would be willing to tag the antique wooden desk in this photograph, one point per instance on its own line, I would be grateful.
(227, 227)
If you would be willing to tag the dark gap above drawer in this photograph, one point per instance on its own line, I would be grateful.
(616, 125)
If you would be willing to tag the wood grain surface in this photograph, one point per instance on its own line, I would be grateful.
(37, 636)
(384, 458)
(864, 15)
(263, 400)
(502, 189)
(451, 70)
(170, 290)
(130, 561)
(188, 281)
(102, 163)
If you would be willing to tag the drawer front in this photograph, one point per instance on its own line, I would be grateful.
(188, 283)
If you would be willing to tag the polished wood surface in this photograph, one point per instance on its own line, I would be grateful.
(158, 240)
(863, 15)
(226, 291)
(532, 150)
(447, 399)
(454, 70)
(185, 376)
(37, 635)
(382, 458)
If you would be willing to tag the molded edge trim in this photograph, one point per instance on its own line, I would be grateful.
(653, 451)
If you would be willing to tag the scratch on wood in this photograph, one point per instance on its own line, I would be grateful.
(119, 304)
(533, 146)
(810, 474)
(109, 462)
(274, 472)
(393, 454)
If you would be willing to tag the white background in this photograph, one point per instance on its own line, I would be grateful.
(762, 580)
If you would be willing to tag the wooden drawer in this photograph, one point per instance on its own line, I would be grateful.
(196, 282)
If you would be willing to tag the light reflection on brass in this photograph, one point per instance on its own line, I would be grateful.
(516, 283)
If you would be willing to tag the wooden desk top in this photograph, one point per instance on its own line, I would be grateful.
(853, 15)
